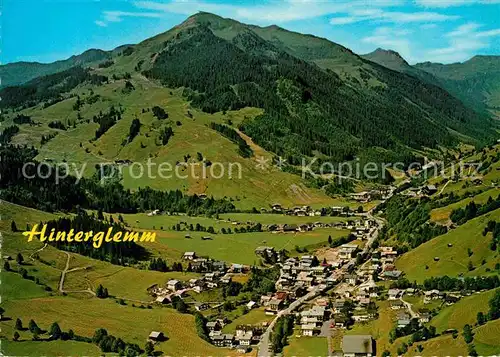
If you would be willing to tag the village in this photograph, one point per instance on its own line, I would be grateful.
(323, 295)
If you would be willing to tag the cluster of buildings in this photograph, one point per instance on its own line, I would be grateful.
(244, 336)
(383, 263)
(378, 194)
(215, 274)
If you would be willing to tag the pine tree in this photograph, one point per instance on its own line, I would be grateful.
(55, 331)
(33, 327)
(13, 226)
(6, 266)
(19, 324)
(16, 336)
(19, 258)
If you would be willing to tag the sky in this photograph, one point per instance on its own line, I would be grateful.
(444, 31)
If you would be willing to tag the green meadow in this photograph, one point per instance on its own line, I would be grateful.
(452, 251)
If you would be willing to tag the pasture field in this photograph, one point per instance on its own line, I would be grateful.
(85, 316)
(486, 338)
(270, 218)
(380, 328)
(224, 246)
(48, 348)
(444, 345)
(463, 312)
(303, 346)
(419, 263)
(442, 214)
(253, 317)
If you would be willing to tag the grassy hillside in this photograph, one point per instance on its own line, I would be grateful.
(85, 316)
(248, 184)
(419, 263)
(463, 312)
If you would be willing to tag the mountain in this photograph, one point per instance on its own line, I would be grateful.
(476, 81)
(390, 59)
(316, 94)
(22, 72)
(319, 98)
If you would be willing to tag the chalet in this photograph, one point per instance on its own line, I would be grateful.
(424, 317)
(337, 306)
(357, 346)
(394, 294)
(346, 251)
(228, 340)
(432, 295)
(265, 299)
(189, 256)
(351, 279)
(397, 304)
(429, 190)
(213, 326)
(300, 212)
(304, 227)
(202, 306)
(387, 252)
(392, 275)
(288, 227)
(361, 196)
(309, 329)
(174, 285)
(314, 315)
(264, 250)
(276, 304)
(242, 349)
(403, 319)
(303, 277)
(219, 266)
(251, 305)
(277, 207)
(162, 300)
(210, 276)
(155, 336)
(218, 340)
(340, 321)
(244, 339)
(237, 268)
(226, 279)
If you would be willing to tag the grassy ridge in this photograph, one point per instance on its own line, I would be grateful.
(452, 260)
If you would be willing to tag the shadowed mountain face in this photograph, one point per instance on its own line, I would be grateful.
(319, 98)
(475, 82)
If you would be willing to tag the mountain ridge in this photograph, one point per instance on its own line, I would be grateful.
(319, 98)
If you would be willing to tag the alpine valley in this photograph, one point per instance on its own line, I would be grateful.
(259, 250)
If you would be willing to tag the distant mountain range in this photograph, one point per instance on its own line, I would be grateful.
(476, 82)
(319, 98)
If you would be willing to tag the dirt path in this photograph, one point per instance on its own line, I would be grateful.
(413, 314)
(37, 251)
(63, 274)
(444, 187)
(68, 270)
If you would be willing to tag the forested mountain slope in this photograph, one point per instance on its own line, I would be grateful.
(22, 72)
(475, 82)
(307, 108)
(319, 98)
